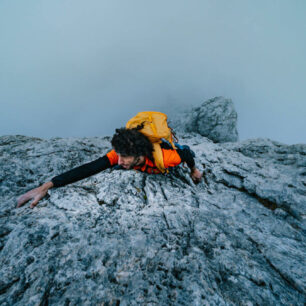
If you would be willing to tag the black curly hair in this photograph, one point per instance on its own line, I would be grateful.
(130, 142)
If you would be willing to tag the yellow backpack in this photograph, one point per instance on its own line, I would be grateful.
(155, 127)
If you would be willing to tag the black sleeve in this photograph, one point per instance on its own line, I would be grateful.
(186, 156)
(81, 172)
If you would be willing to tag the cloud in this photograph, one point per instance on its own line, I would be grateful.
(71, 68)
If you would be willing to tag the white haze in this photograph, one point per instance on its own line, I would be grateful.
(81, 68)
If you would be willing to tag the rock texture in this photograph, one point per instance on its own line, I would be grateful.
(129, 238)
(215, 119)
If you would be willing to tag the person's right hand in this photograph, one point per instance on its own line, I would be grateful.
(196, 175)
(36, 194)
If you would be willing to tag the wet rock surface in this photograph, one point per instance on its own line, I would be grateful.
(128, 238)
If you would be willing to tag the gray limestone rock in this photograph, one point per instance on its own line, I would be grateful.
(128, 238)
(215, 119)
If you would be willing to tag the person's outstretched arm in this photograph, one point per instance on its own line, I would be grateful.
(81, 172)
(63, 179)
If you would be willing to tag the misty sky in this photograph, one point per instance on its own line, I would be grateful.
(73, 68)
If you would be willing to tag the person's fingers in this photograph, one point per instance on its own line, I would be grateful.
(23, 199)
(196, 177)
(197, 180)
(37, 198)
(34, 202)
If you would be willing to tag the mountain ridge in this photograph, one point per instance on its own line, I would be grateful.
(129, 238)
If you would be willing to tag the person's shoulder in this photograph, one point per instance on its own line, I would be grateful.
(171, 157)
(112, 157)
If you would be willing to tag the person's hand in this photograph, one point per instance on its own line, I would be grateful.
(196, 175)
(36, 194)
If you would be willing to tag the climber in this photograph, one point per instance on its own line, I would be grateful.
(131, 150)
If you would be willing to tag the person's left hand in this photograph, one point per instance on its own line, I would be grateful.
(196, 175)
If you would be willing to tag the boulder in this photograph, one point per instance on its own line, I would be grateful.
(215, 119)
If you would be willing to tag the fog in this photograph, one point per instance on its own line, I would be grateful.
(82, 68)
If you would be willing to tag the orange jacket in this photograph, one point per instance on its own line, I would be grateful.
(171, 159)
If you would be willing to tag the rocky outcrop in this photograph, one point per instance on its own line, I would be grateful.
(129, 238)
(215, 119)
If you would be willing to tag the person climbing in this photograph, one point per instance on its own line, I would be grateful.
(131, 150)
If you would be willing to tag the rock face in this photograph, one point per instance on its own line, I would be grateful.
(129, 238)
(215, 119)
